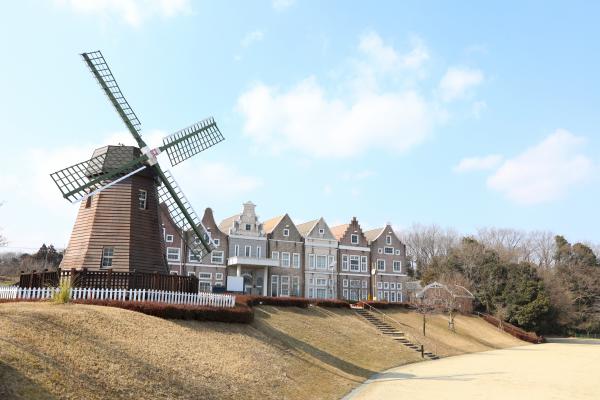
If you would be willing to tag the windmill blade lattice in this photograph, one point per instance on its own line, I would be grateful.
(187, 232)
(79, 180)
(190, 141)
(102, 73)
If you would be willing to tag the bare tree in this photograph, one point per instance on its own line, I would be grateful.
(512, 245)
(544, 248)
(3, 240)
(424, 242)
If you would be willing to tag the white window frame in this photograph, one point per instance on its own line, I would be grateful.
(286, 232)
(275, 284)
(397, 267)
(311, 261)
(247, 251)
(388, 240)
(275, 255)
(393, 296)
(219, 276)
(217, 257)
(363, 263)
(285, 259)
(108, 253)
(364, 284)
(357, 259)
(345, 282)
(296, 260)
(248, 227)
(204, 285)
(169, 238)
(397, 252)
(324, 263)
(174, 249)
(217, 242)
(191, 273)
(331, 260)
(386, 286)
(193, 257)
(353, 237)
(285, 280)
(345, 292)
(379, 285)
(380, 264)
(321, 282)
(321, 231)
(345, 262)
(380, 250)
(391, 250)
(142, 199)
(392, 285)
(295, 290)
(236, 250)
(205, 276)
(258, 251)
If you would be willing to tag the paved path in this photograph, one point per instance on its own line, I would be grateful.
(565, 370)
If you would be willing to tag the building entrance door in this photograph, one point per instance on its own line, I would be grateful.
(253, 282)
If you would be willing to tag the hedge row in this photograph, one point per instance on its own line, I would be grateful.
(300, 302)
(386, 304)
(239, 313)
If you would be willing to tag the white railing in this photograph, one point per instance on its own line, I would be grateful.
(137, 295)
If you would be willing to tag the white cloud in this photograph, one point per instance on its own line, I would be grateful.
(282, 4)
(308, 119)
(544, 172)
(387, 58)
(457, 82)
(252, 37)
(478, 163)
(132, 12)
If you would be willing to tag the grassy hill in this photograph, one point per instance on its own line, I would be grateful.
(79, 351)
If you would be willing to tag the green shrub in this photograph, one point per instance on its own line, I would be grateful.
(63, 295)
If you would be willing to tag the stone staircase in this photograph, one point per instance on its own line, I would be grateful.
(391, 331)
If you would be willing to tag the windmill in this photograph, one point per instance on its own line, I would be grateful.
(122, 188)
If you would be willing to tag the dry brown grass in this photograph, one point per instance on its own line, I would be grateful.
(78, 351)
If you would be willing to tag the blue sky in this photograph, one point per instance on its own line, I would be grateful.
(464, 115)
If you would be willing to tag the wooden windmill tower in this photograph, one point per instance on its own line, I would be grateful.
(121, 187)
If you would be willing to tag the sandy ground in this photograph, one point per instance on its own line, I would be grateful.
(565, 370)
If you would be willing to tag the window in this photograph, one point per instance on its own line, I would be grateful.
(400, 297)
(344, 262)
(169, 238)
(216, 242)
(143, 199)
(88, 202)
(285, 260)
(386, 296)
(107, 256)
(191, 273)
(363, 263)
(345, 293)
(296, 260)
(174, 272)
(204, 286)
(388, 239)
(248, 227)
(321, 231)
(275, 255)
(275, 285)
(386, 285)
(354, 239)
(380, 265)
(380, 250)
(219, 276)
(397, 252)
(388, 250)
(397, 266)
(236, 250)
(194, 256)
(204, 275)
(393, 297)
(216, 257)
(345, 283)
(173, 253)
(364, 283)
(321, 262)
(393, 285)
(354, 263)
(311, 293)
(247, 251)
(363, 295)
(311, 261)
(295, 286)
(286, 232)
(258, 251)
(399, 286)
(331, 262)
(285, 285)
(321, 282)
(379, 285)
(379, 295)
(354, 283)
(321, 293)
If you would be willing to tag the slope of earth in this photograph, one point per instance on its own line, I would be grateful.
(72, 351)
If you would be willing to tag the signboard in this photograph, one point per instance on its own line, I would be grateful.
(235, 283)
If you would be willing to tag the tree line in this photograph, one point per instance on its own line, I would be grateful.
(536, 280)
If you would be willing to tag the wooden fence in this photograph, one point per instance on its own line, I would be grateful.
(136, 295)
(109, 279)
(517, 332)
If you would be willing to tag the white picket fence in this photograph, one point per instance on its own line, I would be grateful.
(138, 295)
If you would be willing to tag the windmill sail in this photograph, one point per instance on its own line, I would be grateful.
(102, 73)
(182, 214)
(80, 180)
(190, 141)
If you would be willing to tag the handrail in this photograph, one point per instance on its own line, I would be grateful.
(411, 336)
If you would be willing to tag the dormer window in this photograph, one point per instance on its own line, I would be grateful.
(286, 232)
(248, 227)
(216, 242)
(354, 239)
(388, 239)
(321, 231)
